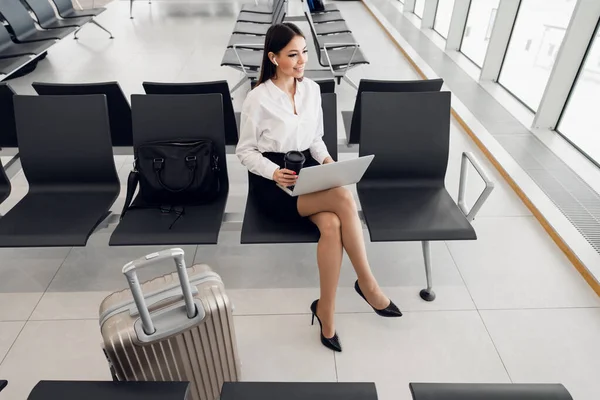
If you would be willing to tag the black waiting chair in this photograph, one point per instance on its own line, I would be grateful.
(9, 49)
(337, 56)
(66, 155)
(488, 391)
(221, 87)
(119, 111)
(257, 42)
(94, 390)
(65, 10)
(268, 9)
(259, 18)
(8, 130)
(352, 119)
(258, 229)
(47, 18)
(402, 193)
(154, 117)
(23, 26)
(250, 28)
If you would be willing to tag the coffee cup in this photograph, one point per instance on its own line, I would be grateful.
(294, 161)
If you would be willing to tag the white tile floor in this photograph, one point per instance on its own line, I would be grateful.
(510, 306)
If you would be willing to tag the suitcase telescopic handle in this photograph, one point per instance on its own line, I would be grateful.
(136, 290)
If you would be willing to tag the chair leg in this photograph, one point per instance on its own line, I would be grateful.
(427, 294)
(76, 32)
(238, 85)
(101, 27)
(131, 9)
(350, 82)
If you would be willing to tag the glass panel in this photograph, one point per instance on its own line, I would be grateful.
(480, 22)
(443, 14)
(536, 38)
(419, 8)
(580, 122)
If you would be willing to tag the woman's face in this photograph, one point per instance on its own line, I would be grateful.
(292, 58)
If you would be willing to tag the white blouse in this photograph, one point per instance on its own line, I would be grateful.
(268, 124)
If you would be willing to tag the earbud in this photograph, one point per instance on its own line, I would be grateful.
(275, 62)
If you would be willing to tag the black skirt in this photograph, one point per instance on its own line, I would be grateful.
(274, 202)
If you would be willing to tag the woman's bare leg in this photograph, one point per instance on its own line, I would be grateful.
(341, 202)
(329, 259)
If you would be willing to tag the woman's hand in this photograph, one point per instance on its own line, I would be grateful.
(285, 177)
(328, 160)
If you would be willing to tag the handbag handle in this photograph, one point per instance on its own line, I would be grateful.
(191, 164)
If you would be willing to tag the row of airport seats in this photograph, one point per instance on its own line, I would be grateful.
(337, 49)
(73, 181)
(148, 390)
(23, 44)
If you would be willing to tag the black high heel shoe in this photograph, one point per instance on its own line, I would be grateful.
(331, 343)
(390, 311)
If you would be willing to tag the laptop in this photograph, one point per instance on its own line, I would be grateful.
(327, 176)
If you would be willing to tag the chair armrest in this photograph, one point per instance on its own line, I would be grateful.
(489, 186)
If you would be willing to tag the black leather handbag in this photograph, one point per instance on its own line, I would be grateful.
(174, 173)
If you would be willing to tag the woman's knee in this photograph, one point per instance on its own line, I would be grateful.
(329, 225)
(344, 199)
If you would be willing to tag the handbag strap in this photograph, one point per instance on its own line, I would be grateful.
(190, 162)
(132, 183)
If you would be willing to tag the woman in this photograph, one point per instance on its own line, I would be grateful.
(283, 113)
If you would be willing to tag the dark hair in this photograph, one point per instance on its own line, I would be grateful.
(278, 36)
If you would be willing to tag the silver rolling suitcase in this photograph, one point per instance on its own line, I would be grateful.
(177, 327)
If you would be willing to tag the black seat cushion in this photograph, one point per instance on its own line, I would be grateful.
(250, 58)
(331, 27)
(198, 225)
(395, 214)
(258, 9)
(98, 390)
(255, 42)
(489, 391)
(7, 66)
(299, 391)
(255, 18)
(67, 22)
(332, 16)
(55, 219)
(341, 57)
(250, 28)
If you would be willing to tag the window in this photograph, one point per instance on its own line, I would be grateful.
(443, 14)
(480, 22)
(419, 8)
(579, 121)
(535, 41)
